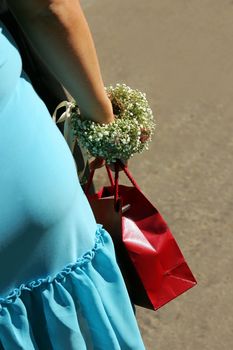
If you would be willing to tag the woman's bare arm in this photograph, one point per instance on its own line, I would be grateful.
(60, 34)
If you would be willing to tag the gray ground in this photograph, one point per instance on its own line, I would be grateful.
(181, 54)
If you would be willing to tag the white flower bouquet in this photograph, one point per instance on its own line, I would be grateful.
(130, 133)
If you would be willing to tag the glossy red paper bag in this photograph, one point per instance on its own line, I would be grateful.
(152, 264)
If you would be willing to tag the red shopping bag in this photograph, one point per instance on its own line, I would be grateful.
(153, 266)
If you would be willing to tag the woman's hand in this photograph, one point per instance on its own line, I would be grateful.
(99, 162)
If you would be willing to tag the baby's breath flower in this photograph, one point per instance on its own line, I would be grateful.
(130, 133)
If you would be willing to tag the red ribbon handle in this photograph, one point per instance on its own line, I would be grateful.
(114, 182)
(90, 179)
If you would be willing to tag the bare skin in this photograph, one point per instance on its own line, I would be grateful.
(98, 162)
(59, 32)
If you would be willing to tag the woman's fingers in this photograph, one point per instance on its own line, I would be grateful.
(98, 162)
(112, 165)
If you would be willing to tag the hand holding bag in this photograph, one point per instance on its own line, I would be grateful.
(153, 266)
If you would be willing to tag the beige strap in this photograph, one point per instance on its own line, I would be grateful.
(66, 118)
(69, 133)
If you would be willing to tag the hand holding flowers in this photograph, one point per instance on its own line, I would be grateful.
(128, 134)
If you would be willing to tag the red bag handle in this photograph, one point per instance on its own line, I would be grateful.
(114, 182)
(91, 175)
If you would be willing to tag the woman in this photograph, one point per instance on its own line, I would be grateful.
(60, 286)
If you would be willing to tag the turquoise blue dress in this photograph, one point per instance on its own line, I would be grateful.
(60, 285)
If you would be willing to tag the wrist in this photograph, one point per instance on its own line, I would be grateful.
(106, 115)
(102, 113)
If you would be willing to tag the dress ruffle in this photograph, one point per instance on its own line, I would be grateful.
(85, 306)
